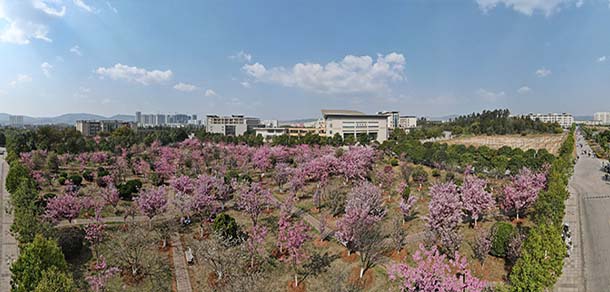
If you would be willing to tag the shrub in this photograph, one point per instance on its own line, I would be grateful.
(41, 202)
(101, 172)
(70, 240)
(450, 176)
(155, 179)
(88, 175)
(76, 179)
(63, 174)
(129, 188)
(16, 173)
(436, 173)
(61, 180)
(226, 227)
(501, 235)
(394, 162)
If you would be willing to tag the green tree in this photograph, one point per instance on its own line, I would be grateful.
(54, 280)
(541, 260)
(35, 259)
(16, 174)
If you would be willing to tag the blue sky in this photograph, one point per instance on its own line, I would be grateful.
(288, 59)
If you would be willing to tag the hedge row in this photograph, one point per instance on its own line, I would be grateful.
(543, 251)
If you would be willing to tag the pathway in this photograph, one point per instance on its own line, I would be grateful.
(9, 250)
(183, 282)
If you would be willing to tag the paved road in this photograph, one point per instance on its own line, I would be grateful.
(8, 244)
(594, 196)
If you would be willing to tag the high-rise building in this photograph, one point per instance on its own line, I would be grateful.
(165, 120)
(15, 121)
(602, 117)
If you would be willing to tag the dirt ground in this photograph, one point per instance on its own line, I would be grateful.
(550, 142)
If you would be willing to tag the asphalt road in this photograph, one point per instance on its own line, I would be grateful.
(594, 195)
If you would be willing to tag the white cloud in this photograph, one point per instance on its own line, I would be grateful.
(76, 50)
(353, 74)
(241, 56)
(528, 7)
(81, 4)
(46, 69)
(17, 32)
(185, 87)
(543, 72)
(524, 90)
(490, 95)
(210, 92)
(50, 7)
(134, 74)
(21, 78)
(601, 59)
(245, 84)
(111, 7)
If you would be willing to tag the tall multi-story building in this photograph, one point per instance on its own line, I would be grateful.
(602, 117)
(407, 122)
(354, 123)
(235, 125)
(161, 120)
(15, 121)
(393, 118)
(565, 120)
(92, 128)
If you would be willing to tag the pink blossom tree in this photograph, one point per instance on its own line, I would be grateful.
(296, 236)
(356, 162)
(407, 207)
(67, 206)
(110, 194)
(253, 200)
(445, 206)
(94, 233)
(434, 272)
(100, 275)
(475, 199)
(522, 192)
(281, 174)
(255, 242)
(152, 202)
(364, 207)
(385, 177)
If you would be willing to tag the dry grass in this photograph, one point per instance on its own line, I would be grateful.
(550, 142)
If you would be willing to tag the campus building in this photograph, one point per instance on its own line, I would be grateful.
(407, 122)
(354, 123)
(565, 120)
(393, 118)
(602, 118)
(235, 125)
(92, 128)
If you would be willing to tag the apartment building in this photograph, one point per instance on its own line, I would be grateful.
(565, 120)
(354, 123)
(165, 120)
(602, 118)
(16, 121)
(92, 128)
(234, 125)
(407, 122)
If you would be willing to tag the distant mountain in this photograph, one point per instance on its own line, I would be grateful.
(298, 121)
(69, 119)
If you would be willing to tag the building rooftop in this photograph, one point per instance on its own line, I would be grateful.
(327, 112)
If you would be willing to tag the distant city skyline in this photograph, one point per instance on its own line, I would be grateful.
(286, 61)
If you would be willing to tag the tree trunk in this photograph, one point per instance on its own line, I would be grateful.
(296, 281)
(361, 272)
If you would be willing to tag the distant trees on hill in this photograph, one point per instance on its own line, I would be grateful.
(487, 122)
